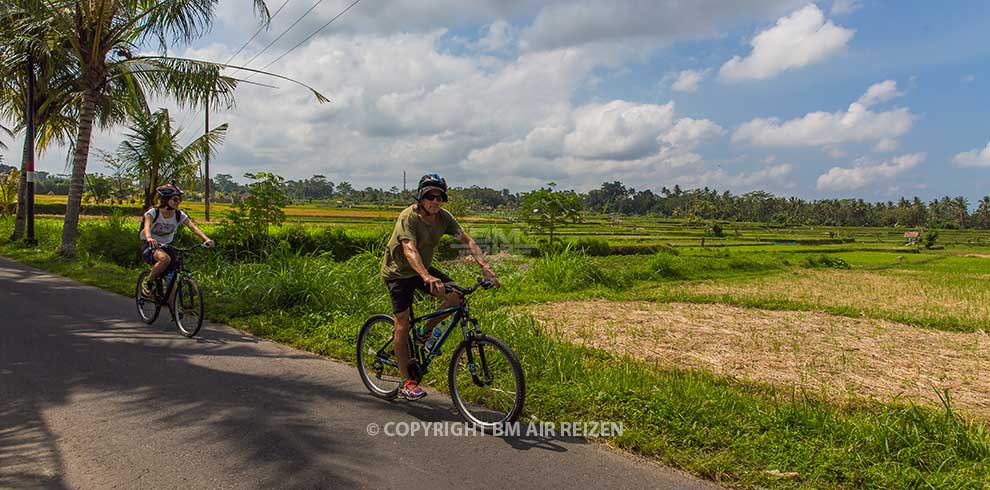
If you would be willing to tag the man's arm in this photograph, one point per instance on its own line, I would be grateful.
(416, 262)
(479, 256)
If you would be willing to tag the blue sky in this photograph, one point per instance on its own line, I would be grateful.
(839, 98)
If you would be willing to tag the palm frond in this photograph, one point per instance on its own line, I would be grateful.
(208, 143)
(188, 82)
(8, 132)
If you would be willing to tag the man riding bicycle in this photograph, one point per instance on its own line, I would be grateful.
(407, 266)
(160, 225)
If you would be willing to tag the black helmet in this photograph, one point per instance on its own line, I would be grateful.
(431, 182)
(168, 190)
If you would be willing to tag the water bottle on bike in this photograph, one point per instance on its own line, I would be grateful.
(435, 337)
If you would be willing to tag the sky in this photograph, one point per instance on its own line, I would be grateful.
(872, 99)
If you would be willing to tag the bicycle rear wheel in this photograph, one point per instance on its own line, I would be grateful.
(376, 357)
(148, 307)
(486, 382)
(188, 307)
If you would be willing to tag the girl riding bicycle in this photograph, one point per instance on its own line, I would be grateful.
(159, 227)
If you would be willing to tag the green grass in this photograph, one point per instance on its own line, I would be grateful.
(733, 432)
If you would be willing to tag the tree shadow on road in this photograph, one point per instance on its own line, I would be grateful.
(95, 358)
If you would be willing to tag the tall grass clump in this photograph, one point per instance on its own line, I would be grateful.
(290, 281)
(664, 265)
(593, 246)
(114, 239)
(570, 270)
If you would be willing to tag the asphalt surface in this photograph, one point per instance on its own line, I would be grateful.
(90, 397)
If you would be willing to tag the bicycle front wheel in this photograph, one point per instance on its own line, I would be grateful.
(486, 382)
(188, 307)
(147, 306)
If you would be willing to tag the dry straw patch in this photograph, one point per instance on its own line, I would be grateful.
(838, 357)
(903, 293)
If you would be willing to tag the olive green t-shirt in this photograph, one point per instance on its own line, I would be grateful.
(424, 235)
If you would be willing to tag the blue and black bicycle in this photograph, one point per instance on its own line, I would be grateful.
(178, 291)
(484, 376)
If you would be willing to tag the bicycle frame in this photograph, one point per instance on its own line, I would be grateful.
(462, 316)
(178, 271)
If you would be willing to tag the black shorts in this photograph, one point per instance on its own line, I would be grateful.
(403, 290)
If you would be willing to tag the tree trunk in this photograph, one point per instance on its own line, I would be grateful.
(21, 218)
(70, 226)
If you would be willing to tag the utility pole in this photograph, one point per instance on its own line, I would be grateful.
(403, 181)
(29, 144)
(206, 181)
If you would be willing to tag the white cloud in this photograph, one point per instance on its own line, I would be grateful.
(687, 80)
(618, 130)
(879, 93)
(864, 172)
(856, 124)
(802, 38)
(973, 158)
(968, 79)
(689, 132)
(886, 145)
(843, 7)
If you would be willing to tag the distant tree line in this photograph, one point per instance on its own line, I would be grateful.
(763, 207)
(611, 198)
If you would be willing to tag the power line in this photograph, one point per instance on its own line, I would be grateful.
(280, 36)
(324, 26)
(286, 2)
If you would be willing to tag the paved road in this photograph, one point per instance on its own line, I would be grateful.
(92, 398)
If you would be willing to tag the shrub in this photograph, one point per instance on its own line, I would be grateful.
(663, 264)
(929, 239)
(114, 239)
(593, 246)
(826, 261)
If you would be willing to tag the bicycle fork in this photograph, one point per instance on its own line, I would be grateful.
(470, 337)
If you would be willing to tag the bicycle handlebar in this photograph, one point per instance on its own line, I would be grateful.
(183, 250)
(482, 283)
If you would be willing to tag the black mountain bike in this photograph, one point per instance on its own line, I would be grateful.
(178, 291)
(484, 376)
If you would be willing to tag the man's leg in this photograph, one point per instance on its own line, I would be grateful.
(400, 342)
(449, 299)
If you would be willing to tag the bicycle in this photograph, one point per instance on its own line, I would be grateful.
(184, 304)
(484, 376)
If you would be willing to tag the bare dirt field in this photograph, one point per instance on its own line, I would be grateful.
(837, 357)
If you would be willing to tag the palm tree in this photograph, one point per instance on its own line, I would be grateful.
(152, 152)
(101, 35)
(982, 213)
(962, 208)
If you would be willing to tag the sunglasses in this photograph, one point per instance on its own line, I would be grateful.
(434, 197)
